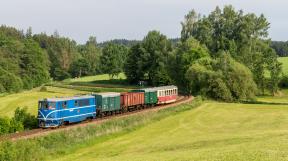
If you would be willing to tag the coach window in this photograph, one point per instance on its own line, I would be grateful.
(76, 103)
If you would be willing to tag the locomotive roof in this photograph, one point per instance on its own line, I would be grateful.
(158, 88)
(56, 99)
(107, 94)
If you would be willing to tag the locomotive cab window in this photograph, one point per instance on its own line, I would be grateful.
(47, 105)
(64, 104)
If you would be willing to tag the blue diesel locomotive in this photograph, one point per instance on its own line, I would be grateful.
(58, 111)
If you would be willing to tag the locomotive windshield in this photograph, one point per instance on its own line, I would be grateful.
(47, 105)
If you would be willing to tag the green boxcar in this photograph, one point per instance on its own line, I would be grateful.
(109, 101)
(150, 95)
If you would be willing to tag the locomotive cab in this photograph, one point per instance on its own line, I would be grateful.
(47, 114)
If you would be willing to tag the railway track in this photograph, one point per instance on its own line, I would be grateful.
(41, 132)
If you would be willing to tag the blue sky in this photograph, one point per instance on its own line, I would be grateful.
(130, 19)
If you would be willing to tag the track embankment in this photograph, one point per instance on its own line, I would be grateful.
(41, 132)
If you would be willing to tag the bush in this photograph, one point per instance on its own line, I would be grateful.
(284, 82)
(229, 81)
(15, 126)
(43, 89)
(4, 125)
(20, 121)
(28, 121)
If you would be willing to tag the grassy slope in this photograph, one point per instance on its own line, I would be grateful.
(281, 98)
(103, 81)
(284, 61)
(29, 99)
(213, 131)
(94, 78)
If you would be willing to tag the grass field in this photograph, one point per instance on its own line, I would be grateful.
(281, 98)
(29, 99)
(102, 80)
(94, 78)
(284, 61)
(213, 131)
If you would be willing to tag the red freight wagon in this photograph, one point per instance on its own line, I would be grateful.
(167, 94)
(132, 99)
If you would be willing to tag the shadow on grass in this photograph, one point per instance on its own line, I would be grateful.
(264, 103)
(112, 83)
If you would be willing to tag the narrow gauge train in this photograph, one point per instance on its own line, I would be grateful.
(55, 112)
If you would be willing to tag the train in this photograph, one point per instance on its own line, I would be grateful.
(55, 112)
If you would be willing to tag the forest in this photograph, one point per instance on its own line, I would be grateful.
(226, 55)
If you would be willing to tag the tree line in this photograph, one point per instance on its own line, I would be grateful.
(225, 55)
(28, 61)
(281, 48)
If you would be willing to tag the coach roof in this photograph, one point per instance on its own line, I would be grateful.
(107, 94)
(158, 88)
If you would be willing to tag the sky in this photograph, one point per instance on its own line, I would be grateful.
(128, 19)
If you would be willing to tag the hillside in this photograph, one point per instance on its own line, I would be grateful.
(213, 131)
(30, 99)
(284, 61)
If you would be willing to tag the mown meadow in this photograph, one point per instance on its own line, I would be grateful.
(213, 131)
(200, 130)
(29, 99)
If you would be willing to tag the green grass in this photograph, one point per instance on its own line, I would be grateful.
(91, 88)
(94, 78)
(282, 97)
(213, 131)
(284, 61)
(29, 99)
(102, 80)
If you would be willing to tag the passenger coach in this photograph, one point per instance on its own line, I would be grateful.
(58, 111)
(167, 94)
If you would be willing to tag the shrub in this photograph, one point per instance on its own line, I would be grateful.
(28, 121)
(223, 81)
(43, 89)
(284, 81)
(4, 125)
(15, 126)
